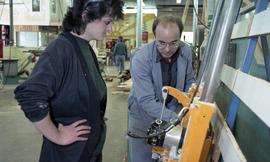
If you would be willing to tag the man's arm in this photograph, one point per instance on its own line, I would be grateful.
(144, 89)
(189, 71)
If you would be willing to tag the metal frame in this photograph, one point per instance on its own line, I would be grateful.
(266, 55)
(261, 5)
(244, 86)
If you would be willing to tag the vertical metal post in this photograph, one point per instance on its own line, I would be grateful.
(185, 13)
(1, 43)
(11, 27)
(266, 55)
(210, 42)
(219, 49)
(139, 24)
(195, 22)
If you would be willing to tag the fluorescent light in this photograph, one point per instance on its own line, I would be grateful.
(178, 1)
(144, 10)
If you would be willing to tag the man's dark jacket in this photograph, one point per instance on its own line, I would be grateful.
(60, 84)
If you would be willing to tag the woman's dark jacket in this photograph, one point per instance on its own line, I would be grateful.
(60, 84)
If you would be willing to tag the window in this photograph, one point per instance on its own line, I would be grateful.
(53, 6)
(70, 3)
(35, 5)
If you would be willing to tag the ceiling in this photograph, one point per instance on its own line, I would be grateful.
(161, 3)
(154, 3)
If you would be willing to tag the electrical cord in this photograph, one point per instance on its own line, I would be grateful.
(133, 135)
(199, 19)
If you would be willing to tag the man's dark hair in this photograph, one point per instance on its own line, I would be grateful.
(93, 9)
(166, 19)
(120, 39)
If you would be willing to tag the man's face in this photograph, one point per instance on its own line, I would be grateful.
(167, 39)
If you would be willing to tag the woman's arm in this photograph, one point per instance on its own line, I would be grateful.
(63, 135)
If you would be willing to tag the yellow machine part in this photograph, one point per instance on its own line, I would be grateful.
(181, 97)
(196, 144)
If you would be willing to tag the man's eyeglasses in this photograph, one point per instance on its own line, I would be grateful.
(163, 45)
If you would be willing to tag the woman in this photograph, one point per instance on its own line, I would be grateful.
(65, 96)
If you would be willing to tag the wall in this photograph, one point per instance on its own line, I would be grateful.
(23, 14)
(127, 28)
(60, 8)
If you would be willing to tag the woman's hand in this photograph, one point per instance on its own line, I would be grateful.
(74, 132)
(63, 135)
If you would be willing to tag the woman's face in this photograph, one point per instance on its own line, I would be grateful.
(97, 29)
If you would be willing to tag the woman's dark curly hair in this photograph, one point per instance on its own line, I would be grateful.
(93, 9)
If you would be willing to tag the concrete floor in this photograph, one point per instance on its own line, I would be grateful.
(20, 141)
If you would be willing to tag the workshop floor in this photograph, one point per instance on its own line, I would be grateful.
(20, 141)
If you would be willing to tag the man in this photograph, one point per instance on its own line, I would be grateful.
(120, 53)
(165, 61)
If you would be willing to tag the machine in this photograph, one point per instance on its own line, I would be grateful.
(187, 138)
